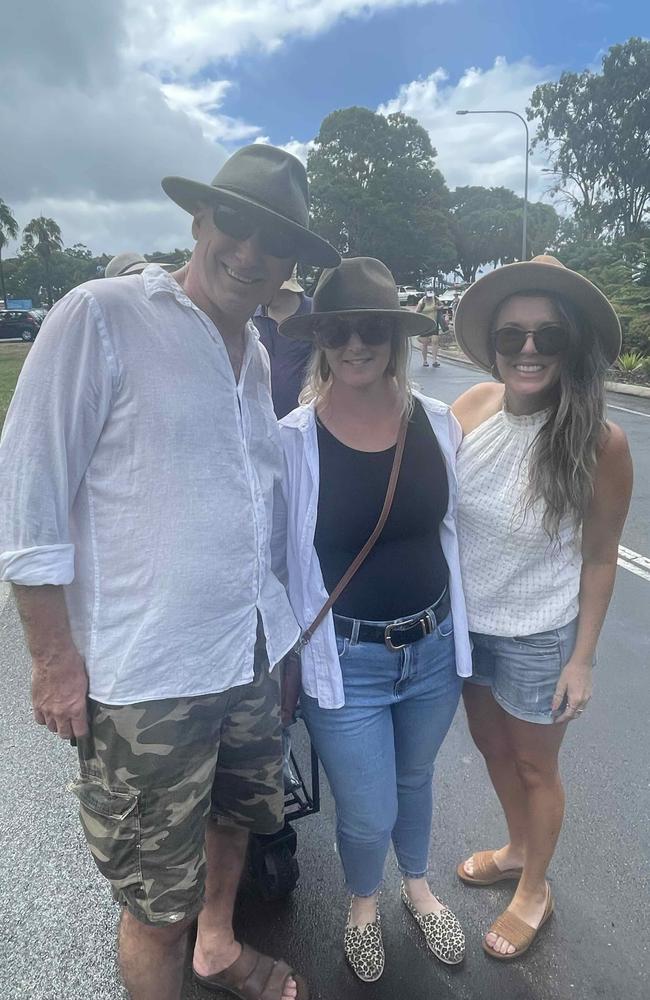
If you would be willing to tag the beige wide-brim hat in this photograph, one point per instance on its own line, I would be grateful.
(542, 274)
(268, 181)
(360, 286)
(130, 262)
(292, 284)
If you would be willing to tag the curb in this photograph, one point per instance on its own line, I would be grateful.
(623, 388)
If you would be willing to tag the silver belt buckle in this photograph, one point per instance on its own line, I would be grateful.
(425, 624)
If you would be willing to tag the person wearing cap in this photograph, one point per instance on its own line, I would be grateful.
(130, 262)
(288, 358)
(428, 306)
(140, 463)
(544, 488)
(381, 675)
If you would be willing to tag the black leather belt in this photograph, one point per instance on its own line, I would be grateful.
(397, 635)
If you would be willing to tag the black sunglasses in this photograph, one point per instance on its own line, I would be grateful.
(548, 340)
(240, 225)
(335, 332)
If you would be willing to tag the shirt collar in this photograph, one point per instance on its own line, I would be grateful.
(157, 281)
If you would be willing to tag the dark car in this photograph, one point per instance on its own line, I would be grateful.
(19, 324)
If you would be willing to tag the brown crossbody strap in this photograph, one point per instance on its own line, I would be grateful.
(365, 551)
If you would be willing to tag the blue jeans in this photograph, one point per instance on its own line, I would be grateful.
(379, 750)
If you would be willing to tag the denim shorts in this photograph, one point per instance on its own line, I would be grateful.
(523, 670)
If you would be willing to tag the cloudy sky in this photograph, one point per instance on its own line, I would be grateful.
(101, 100)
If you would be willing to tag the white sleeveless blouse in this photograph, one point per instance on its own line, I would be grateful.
(516, 580)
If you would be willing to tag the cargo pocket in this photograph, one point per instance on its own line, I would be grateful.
(111, 822)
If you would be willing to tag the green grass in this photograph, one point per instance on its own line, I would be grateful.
(12, 357)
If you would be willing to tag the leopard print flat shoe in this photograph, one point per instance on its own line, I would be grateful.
(364, 950)
(442, 931)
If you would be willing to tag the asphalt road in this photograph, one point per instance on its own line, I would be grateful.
(58, 921)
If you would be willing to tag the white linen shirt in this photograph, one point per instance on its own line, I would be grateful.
(137, 472)
(321, 671)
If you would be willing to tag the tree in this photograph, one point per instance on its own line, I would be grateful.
(487, 226)
(8, 231)
(596, 128)
(42, 237)
(376, 191)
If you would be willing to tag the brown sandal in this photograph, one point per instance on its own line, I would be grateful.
(516, 931)
(486, 871)
(254, 976)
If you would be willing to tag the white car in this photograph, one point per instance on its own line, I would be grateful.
(408, 295)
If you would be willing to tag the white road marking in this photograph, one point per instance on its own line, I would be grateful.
(634, 563)
(637, 413)
(4, 595)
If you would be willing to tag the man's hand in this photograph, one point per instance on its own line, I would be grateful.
(59, 690)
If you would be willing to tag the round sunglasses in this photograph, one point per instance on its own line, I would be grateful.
(334, 333)
(239, 224)
(548, 340)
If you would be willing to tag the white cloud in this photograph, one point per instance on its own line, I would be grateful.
(481, 149)
(201, 103)
(99, 101)
(183, 36)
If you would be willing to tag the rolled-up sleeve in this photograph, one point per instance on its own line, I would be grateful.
(61, 402)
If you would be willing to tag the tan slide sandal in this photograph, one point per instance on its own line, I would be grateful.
(486, 871)
(516, 931)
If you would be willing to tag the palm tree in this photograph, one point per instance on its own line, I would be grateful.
(8, 231)
(42, 237)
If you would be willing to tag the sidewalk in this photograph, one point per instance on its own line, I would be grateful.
(453, 353)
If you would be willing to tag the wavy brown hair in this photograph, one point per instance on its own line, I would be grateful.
(564, 453)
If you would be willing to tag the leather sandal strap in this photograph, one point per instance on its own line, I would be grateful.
(238, 973)
(275, 982)
(513, 929)
(485, 866)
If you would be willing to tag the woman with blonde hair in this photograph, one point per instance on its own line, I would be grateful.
(545, 484)
(381, 674)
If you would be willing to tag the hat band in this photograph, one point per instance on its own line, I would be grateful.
(254, 200)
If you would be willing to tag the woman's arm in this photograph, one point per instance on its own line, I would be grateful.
(601, 532)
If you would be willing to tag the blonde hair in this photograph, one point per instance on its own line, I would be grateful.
(318, 379)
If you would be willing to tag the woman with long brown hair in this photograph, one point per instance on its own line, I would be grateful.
(544, 489)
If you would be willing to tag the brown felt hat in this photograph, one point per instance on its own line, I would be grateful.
(269, 180)
(542, 274)
(361, 286)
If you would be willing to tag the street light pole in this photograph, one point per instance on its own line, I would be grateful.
(524, 237)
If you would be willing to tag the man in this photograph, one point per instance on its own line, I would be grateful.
(289, 358)
(139, 462)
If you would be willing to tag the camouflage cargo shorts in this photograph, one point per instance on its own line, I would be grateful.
(151, 774)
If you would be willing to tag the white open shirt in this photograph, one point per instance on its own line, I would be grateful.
(321, 671)
(138, 473)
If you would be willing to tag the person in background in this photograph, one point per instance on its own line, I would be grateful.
(289, 358)
(130, 262)
(429, 342)
(382, 674)
(544, 489)
(139, 469)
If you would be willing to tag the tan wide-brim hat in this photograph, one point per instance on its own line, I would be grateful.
(268, 181)
(292, 284)
(360, 286)
(130, 262)
(542, 274)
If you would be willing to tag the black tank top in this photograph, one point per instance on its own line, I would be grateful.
(406, 570)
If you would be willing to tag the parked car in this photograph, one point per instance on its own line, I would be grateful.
(19, 324)
(408, 295)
